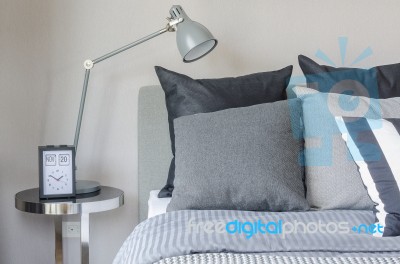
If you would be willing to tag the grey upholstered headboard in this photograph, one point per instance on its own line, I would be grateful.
(154, 145)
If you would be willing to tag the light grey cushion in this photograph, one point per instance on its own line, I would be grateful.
(240, 159)
(332, 177)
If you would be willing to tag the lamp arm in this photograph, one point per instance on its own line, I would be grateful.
(88, 64)
(81, 107)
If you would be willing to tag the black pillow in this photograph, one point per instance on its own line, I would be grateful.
(186, 96)
(379, 82)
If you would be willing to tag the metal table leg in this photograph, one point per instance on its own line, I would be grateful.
(58, 239)
(85, 231)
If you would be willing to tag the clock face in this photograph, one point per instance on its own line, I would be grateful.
(57, 172)
(58, 180)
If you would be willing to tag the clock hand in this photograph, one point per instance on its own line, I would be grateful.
(53, 177)
(59, 179)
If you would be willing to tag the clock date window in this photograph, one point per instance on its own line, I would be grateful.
(50, 159)
(64, 159)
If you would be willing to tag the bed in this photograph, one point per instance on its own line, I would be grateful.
(236, 236)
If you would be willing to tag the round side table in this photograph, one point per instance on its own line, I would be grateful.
(107, 198)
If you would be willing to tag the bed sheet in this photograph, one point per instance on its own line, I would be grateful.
(157, 206)
(325, 234)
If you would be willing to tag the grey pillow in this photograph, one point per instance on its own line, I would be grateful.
(332, 177)
(240, 159)
(186, 96)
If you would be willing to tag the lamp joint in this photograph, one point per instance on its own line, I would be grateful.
(171, 26)
(88, 64)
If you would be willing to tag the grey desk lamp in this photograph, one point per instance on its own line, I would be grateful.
(193, 40)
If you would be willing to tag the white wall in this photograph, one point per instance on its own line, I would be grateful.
(42, 47)
(24, 85)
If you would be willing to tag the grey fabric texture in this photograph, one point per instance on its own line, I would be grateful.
(186, 96)
(231, 258)
(332, 177)
(176, 234)
(154, 145)
(338, 186)
(240, 159)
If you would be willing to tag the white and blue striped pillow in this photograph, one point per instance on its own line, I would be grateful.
(375, 147)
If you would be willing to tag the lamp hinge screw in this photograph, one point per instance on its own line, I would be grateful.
(88, 64)
(171, 26)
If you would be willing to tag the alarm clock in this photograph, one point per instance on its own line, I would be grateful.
(57, 172)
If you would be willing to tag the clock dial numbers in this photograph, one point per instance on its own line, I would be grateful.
(57, 180)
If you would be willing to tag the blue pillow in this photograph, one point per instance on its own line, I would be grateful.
(375, 147)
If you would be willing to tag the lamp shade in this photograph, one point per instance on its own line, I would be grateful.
(194, 40)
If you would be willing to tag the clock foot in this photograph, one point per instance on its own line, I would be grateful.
(83, 186)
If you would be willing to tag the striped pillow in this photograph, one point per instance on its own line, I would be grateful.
(375, 147)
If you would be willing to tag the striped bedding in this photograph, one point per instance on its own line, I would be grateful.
(229, 258)
(190, 236)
